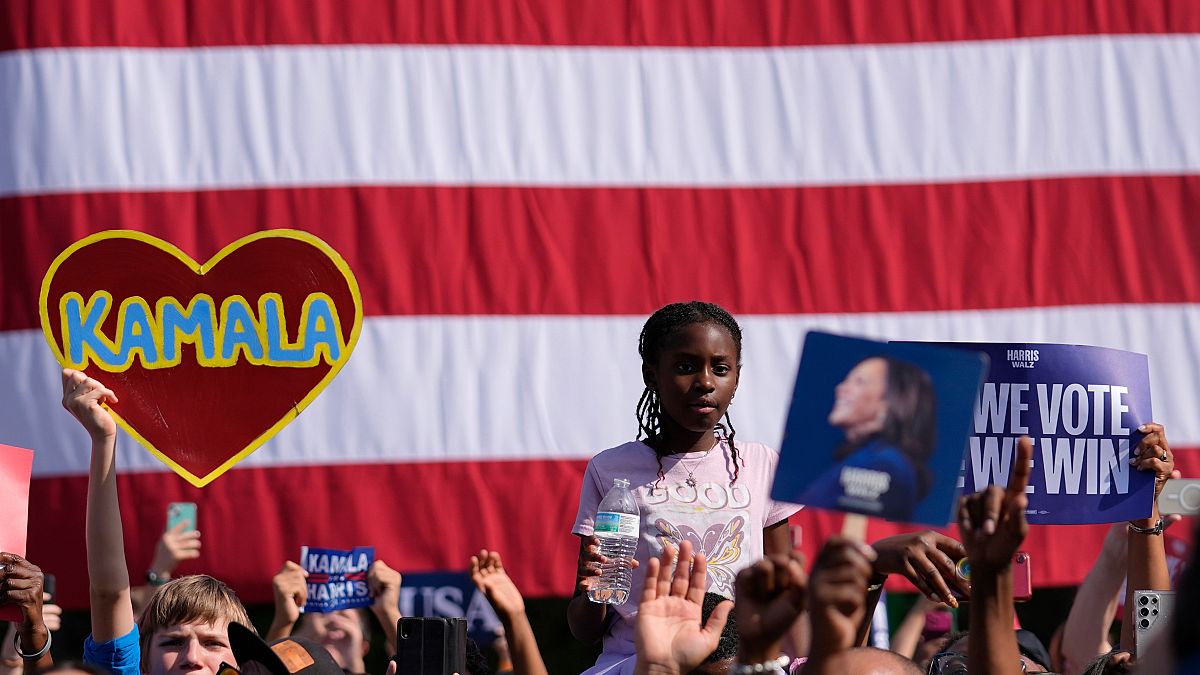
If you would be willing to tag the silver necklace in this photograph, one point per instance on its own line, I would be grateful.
(691, 479)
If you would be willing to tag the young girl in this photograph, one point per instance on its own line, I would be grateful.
(690, 479)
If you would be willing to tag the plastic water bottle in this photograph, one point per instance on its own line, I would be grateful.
(618, 526)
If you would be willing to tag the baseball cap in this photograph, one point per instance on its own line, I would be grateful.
(286, 656)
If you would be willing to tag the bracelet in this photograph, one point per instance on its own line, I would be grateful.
(40, 653)
(876, 582)
(777, 665)
(155, 579)
(1157, 529)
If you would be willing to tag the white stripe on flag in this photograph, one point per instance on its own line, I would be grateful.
(147, 119)
(462, 388)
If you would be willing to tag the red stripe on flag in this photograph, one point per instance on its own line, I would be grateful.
(152, 23)
(420, 517)
(567, 251)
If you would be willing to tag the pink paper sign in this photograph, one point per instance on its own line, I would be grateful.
(16, 464)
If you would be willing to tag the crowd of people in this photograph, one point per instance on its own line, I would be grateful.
(717, 586)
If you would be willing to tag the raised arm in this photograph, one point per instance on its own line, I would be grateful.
(487, 571)
(21, 585)
(670, 637)
(111, 607)
(837, 603)
(992, 525)
(1085, 634)
(908, 635)
(926, 559)
(1147, 555)
(384, 583)
(771, 599)
(291, 593)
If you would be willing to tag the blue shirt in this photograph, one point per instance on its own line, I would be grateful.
(896, 503)
(120, 656)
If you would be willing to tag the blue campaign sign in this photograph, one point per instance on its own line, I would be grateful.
(878, 428)
(337, 578)
(449, 594)
(1082, 407)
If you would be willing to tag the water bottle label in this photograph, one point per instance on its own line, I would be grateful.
(616, 524)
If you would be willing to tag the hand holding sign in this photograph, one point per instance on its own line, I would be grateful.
(992, 522)
(85, 398)
(256, 333)
(21, 586)
(291, 592)
(1153, 453)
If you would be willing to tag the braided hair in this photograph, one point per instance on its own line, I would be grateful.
(658, 329)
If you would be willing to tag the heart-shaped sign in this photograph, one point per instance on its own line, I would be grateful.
(209, 360)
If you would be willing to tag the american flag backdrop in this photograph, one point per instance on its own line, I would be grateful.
(518, 185)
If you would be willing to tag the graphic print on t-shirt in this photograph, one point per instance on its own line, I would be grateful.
(710, 515)
(720, 544)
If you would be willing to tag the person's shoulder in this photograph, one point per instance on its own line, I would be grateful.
(621, 455)
(750, 450)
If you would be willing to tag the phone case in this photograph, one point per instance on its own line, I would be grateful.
(1022, 577)
(178, 512)
(431, 646)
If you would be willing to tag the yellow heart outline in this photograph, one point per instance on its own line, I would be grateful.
(201, 269)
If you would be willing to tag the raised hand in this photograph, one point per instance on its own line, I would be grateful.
(992, 522)
(383, 582)
(175, 546)
(487, 572)
(837, 595)
(21, 585)
(670, 636)
(770, 598)
(84, 398)
(1153, 453)
(291, 593)
(927, 560)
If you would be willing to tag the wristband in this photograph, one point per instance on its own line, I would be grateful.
(40, 653)
(773, 666)
(1157, 529)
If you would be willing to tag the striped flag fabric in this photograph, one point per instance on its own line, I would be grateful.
(518, 185)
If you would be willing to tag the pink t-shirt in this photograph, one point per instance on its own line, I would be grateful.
(722, 518)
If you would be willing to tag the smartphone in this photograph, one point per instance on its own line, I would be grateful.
(49, 586)
(1022, 577)
(1152, 614)
(181, 512)
(1180, 496)
(431, 645)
